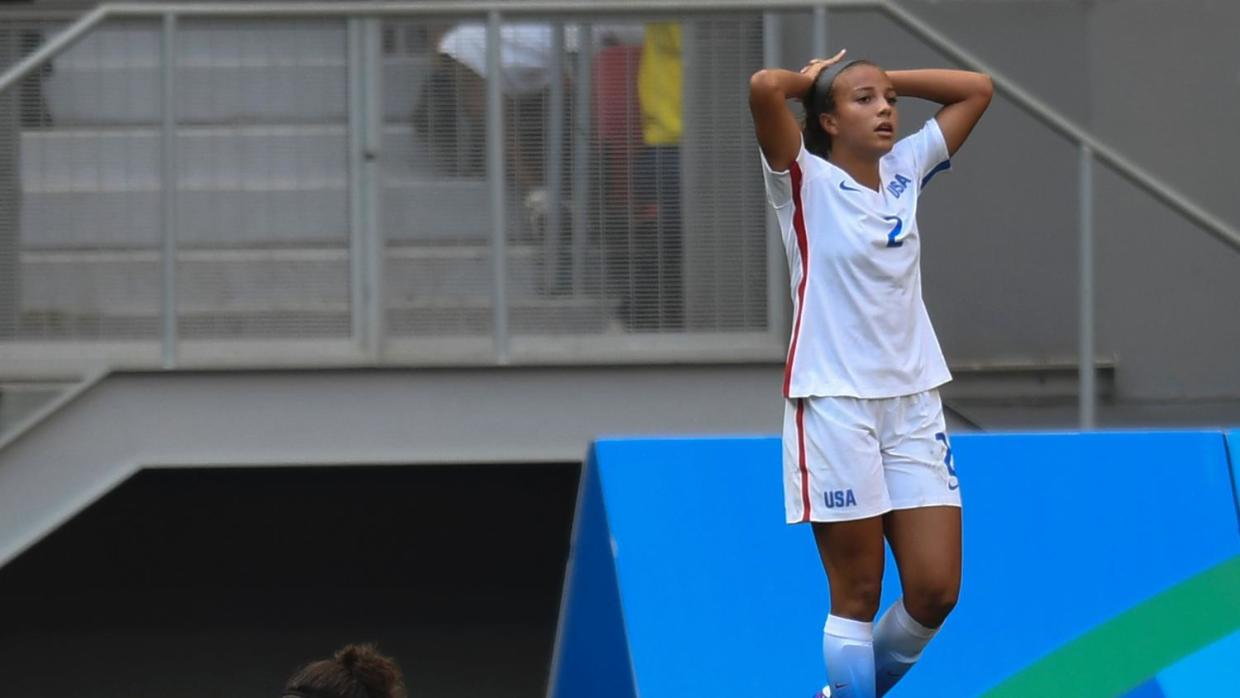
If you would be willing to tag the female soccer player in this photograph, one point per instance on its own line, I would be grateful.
(866, 452)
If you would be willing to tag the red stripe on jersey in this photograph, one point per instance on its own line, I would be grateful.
(798, 223)
(801, 459)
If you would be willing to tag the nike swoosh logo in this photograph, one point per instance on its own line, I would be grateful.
(841, 685)
(845, 187)
(953, 487)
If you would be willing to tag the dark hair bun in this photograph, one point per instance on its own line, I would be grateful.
(377, 674)
(355, 671)
(350, 655)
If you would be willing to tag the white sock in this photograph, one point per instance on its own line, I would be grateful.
(898, 643)
(848, 648)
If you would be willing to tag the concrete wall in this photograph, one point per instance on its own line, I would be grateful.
(1157, 80)
(1166, 90)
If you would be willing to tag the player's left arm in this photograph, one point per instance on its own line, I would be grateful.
(964, 96)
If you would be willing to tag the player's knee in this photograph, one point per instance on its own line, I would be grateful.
(858, 598)
(931, 604)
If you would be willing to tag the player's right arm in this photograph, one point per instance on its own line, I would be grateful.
(779, 134)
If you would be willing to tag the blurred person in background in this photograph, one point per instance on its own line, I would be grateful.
(656, 300)
(525, 75)
(637, 114)
(455, 95)
(356, 671)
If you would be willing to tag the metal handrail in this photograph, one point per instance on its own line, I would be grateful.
(1049, 116)
(53, 46)
(59, 13)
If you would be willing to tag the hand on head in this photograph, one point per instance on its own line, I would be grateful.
(817, 65)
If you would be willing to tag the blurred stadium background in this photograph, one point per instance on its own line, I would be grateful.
(305, 332)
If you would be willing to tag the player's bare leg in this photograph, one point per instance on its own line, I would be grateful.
(927, 548)
(852, 554)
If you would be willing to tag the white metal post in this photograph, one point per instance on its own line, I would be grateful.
(358, 310)
(552, 226)
(168, 190)
(495, 178)
(821, 49)
(366, 239)
(582, 80)
(1088, 389)
(372, 146)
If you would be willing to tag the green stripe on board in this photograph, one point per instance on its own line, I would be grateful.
(1135, 645)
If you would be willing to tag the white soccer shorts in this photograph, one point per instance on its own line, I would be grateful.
(850, 458)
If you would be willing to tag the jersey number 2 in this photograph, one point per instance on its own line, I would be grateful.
(893, 237)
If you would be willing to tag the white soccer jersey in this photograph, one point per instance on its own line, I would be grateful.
(860, 327)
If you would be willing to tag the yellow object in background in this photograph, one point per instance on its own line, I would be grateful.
(659, 84)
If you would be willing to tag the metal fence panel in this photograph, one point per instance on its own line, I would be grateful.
(725, 205)
(79, 199)
(433, 199)
(262, 222)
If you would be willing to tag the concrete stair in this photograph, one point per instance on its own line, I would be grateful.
(228, 72)
(258, 184)
(261, 292)
(431, 319)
